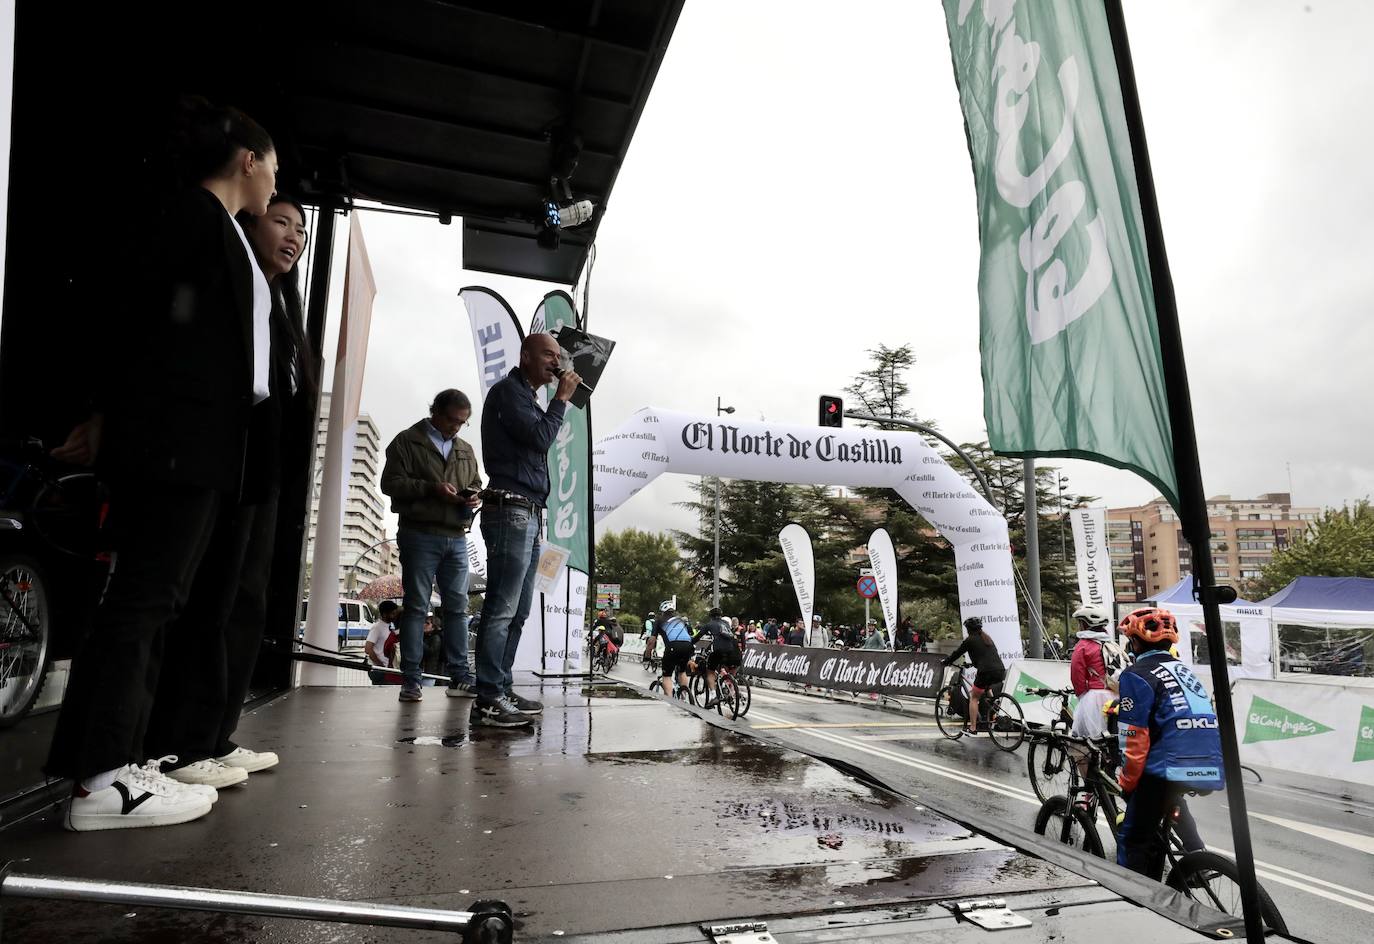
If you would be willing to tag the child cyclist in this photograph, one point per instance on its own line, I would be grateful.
(1170, 742)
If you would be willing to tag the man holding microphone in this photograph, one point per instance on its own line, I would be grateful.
(516, 436)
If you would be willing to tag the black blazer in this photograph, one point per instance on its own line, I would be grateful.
(178, 404)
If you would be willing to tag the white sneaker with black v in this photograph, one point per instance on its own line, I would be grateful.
(136, 798)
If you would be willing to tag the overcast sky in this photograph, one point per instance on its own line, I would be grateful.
(799, 190)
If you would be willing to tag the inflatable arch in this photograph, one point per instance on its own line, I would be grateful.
(653, 441)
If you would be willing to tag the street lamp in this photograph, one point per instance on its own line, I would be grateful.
(351, 578)
(715, 568)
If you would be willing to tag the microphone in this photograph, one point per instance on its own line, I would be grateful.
(559, 372)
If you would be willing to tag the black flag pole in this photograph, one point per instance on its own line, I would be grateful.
(1187, 467)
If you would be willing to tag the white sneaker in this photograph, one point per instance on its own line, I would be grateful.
(153, 768)
(209, 772)
(136, 798)
(251, 761)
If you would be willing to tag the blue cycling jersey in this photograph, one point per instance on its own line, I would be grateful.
(674, 629)
(1161, 694)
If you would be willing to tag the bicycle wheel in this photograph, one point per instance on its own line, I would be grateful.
(656, 685)
(1212, 879)
(951, 725)
(727, 696)
(1006, 723)
(746, 694)
(1047, 764)
(25, 636)
(1071, 826)
(697, 691)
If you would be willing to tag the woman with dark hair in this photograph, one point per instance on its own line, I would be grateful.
(169, 428)
(213, 646)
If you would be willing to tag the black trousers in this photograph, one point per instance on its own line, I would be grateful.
(213, 646)
(160, 533)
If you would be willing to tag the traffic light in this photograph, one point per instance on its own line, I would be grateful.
(832, 411)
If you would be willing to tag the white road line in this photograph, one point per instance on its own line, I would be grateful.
(1264, 870)
(1341, 837)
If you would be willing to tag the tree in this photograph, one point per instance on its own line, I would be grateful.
(882, 389)
(1338, 544)
(649, 571)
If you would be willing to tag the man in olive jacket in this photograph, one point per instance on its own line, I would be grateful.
(432, 479)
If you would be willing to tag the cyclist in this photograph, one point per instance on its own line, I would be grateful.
(650, 640)
(677, 645)
(603, 635)
(982, 652)
(1095, 660)
(724, 650)
(1170, 742)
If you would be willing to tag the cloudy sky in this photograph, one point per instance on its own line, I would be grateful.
(799, 190)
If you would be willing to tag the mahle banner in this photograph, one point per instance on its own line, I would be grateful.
(653, 441)
(1071, 354)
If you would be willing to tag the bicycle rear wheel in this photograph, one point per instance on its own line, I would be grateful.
(696, 691)
(1006, 723)
(1047, 764)
(746, 694)
(728, 695)
(1214, 880)
(25, 636)
(1069, 825)
(951, 725)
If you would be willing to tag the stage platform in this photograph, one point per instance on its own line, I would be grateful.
(615, 812)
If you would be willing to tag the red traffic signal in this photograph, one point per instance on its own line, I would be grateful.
(832, 411)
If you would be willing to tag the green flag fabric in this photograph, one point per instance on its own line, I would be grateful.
(1070, 344)
(569, 517)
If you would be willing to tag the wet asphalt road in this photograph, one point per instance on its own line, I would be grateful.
(1314, 842)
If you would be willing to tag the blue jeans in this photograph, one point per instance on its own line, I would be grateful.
(512, 537)
(427, 559)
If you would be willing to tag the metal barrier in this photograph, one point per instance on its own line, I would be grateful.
(487, 922)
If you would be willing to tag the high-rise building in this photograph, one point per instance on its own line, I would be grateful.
(364, 521)
(1149, 553)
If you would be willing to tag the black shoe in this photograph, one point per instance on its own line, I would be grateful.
(495, 714)
(522, 705)
(458, 689)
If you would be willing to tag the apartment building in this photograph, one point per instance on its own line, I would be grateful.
(364, 519)
(1149, 553)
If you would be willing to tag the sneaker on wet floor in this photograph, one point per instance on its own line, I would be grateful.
(457, 689)
(251, 761)
(524, 706)
(153, 768)
(209, 772)
(136, 798)
(496, 714)
(409, 694)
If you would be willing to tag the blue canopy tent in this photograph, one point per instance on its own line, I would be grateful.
(1325, 626)
(1247, 627)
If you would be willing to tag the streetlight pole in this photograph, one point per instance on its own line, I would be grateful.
(351, 578)
(715, 566)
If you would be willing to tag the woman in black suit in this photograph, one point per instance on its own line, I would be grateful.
(169, 434)
(213, 646)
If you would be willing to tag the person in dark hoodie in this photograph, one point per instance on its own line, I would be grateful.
(432, 479)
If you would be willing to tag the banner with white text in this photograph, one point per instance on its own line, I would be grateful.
(912, 674)
(801, 567)
(882, 558)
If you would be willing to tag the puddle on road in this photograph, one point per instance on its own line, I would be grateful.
(615, 691)
(451, 740)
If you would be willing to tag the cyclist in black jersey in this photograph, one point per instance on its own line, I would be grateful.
(724, 646)
(982, 652)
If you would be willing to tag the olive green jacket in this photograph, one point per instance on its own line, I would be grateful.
(413, 467)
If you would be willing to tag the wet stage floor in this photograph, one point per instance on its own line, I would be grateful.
(615, 810)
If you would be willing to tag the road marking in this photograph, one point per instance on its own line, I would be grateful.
(1263, 870)
(1339, 836)
(912, 736)
(844, 724)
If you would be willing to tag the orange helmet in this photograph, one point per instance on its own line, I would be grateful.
(1150, 624)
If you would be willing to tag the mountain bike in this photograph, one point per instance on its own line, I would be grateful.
(1046, 762)
(50, 522)
(1206, 877)
(732, 691)
(999, 714)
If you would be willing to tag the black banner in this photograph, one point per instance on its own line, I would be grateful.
(913, 674)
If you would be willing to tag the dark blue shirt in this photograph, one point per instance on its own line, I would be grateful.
(516, 436)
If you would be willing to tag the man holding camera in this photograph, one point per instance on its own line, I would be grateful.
(431, 476)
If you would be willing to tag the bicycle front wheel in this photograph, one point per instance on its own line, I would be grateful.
(1068, 825)
(1047, 764)
(25, 636)
(1006, 723)
(728, 695)
(1214, 880)
(951, 725)
(746, 694)
(697, 691)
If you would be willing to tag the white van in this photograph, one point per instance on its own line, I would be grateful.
(355, 619)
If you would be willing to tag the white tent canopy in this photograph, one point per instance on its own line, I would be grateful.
(1245, 625)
